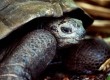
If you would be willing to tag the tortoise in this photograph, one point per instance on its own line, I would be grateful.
(26, 57)
(65, 28)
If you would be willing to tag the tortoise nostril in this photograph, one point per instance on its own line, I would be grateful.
(83, 34)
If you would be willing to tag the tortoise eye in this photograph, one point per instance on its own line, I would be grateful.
(66, 30)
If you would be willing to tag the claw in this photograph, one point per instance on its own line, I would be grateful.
(105, 66)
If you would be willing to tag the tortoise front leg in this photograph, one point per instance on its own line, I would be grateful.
(29, 58)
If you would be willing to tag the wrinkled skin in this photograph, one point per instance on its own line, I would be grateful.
(28, 57)
(67, 31)
(87, 56)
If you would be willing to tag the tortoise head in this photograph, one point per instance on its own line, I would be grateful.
(67, 31)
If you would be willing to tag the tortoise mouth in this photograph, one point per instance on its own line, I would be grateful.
(65, 42)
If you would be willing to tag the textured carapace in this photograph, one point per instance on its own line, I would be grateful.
(67, 30)
(87, 56)
(29, 57)
(14, 13)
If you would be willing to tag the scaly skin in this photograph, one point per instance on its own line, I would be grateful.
(29, 58)
(88, 56)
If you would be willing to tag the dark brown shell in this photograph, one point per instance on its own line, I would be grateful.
(26, 59)
(14, 13)
(87, 56)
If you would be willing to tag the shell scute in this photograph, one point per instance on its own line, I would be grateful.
(14, 13)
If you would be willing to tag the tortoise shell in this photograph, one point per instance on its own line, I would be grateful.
(14, 13)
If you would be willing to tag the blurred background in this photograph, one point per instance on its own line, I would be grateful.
(100, 11)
